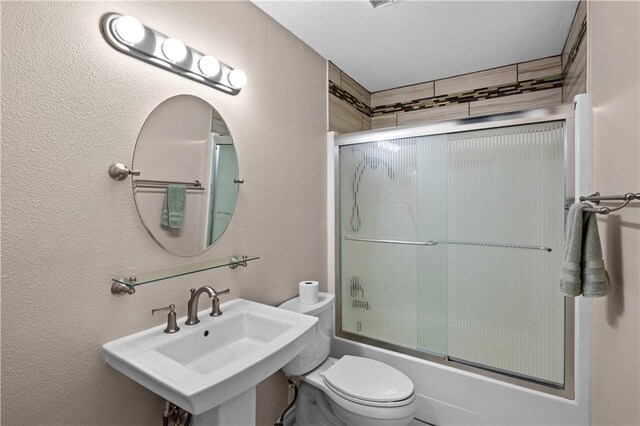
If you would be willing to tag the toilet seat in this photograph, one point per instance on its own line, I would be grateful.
(391, 404)
(368, 382)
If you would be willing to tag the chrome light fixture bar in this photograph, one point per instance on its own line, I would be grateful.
(379, 3)
(129, 36)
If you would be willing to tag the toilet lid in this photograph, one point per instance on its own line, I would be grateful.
(368, 380)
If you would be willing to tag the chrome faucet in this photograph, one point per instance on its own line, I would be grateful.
(192, 305)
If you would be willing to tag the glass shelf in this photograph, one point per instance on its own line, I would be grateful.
(128, 285)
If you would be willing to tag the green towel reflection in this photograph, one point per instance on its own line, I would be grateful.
(173, 208)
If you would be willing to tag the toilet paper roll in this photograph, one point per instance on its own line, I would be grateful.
(308, 291)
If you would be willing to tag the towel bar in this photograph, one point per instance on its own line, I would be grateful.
(596, 198)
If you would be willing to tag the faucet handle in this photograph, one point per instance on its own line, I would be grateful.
(172, 324)
(218, 293)
(215, 304)
(170, 308)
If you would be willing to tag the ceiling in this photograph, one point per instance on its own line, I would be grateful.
(415, 41)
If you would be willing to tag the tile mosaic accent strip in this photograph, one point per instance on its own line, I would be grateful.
(576, 24)
(575, 82)
(399, 113)
(537, 99)
(354, 88)
(573, 53)
(340, 93)
(514, 88)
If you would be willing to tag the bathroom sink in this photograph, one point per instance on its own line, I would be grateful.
(203, 366)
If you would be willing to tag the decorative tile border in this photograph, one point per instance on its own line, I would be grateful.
(342, 94)
(576, 46)
(515, 88)
(473, 95)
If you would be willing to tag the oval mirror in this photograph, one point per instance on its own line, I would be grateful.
(186, 191)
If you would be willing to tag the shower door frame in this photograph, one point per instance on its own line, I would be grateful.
(563, 112)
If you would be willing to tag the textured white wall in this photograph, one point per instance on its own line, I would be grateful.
(614, 84)
(71, 105)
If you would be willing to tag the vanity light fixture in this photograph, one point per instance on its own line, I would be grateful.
(174, 50)
(129, 36)
(209, 66)
(237, 79)
(129, 29)
(379, 3)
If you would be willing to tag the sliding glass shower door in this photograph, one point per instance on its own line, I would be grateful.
(450, 245)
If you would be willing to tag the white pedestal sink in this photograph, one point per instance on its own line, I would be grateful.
(211, 369)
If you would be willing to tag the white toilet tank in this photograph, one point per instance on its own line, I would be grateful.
(318, 350)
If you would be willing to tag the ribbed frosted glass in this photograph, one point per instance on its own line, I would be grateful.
(491, 306)
(507, 185)
(432, 195)
(378, 200)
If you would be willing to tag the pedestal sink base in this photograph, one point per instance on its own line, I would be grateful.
(240, 410)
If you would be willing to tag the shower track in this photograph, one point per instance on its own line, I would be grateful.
(434, 243)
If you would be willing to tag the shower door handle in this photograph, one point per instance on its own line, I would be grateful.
(410, 243)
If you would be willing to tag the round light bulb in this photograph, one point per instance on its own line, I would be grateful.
(129, 29)
(209, 66)
(237, 79)
(174, 50)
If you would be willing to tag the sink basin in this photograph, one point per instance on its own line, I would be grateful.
(204, 366)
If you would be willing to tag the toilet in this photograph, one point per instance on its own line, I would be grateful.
(351, 390)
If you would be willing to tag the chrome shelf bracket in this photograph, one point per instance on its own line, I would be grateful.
(119, 171)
